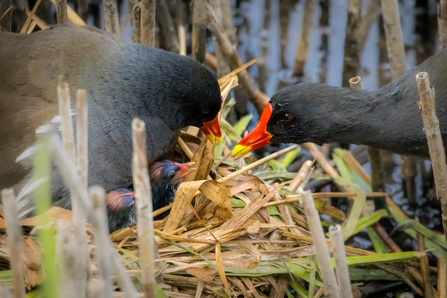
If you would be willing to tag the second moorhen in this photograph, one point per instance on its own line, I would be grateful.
(388, 118)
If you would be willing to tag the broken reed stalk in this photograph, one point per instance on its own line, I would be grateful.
(394, 40)
(199, 30)
(102, 250)
(338, 250)
(82, 260)
(167, 26)
(66, 251)
(136, 30)
(4, 290)
(300, 176)
(258, 98)
(222, 65)
(423, 261)
(375, 158)
(111, 19)
(227, 21)
(351, 60)
(15, 241)
(39, 22)
(442, 23)
(319, 242)
(303, 42)
(28, 20)
(72, 16)
(72, 180)
(370, 16)
(147, 25)
(143, 198)
(180, 26)
(31, 27)
(434, 140)
(442, 278)
(61, 12)
(130, 7)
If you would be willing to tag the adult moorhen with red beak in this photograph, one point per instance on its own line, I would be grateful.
(388, 118)
(165, 178)
(123, 81)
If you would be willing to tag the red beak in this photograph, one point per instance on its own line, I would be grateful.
(212, 130)
(258, 137)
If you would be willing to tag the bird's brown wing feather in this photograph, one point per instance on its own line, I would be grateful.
(29, 67)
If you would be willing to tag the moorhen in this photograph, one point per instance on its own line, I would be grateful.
(123, 80)
(165, 177)
(388, 118)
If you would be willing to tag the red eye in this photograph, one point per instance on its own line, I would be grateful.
(287, 117)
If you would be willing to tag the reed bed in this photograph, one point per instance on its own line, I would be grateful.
(237, 228)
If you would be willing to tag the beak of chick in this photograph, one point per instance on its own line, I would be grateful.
(185, 169)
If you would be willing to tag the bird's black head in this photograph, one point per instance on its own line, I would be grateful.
(295, 114)
(165, 177)
(175, 88)
(121, 209)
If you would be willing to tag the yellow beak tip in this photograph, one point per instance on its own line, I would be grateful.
(240, 150)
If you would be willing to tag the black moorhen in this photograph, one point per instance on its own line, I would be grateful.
(123, 80)
(165, 178)
(388, 118)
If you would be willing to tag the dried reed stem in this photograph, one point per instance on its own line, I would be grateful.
(423, 261)
(67, 251)
(79, 215)
(39, 22)
(442, 278)
(319, 242)
(179, 20)
(72, 180)
(300, 176)
(393, 34)
(303, 43)
(434, 140)
(136, 30)
(102, 250)
(338, 250)
(15, 241)
(28, 20)
(61, 12)
(130, 7)
(442, 23)
(111, 19)
(222, 65)
(185, 147)
(31, 27)
(167, 26)
(351, 61)
(227, 21)
(72, 16)
(375, 158)
(147, 25)
(143, 198)
(199, 30)
(370, 16)
(82, 260)
(4, 290)
(258, 98)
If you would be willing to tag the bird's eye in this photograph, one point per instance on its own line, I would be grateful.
(287, 117)
(205, 111)
(171, 174)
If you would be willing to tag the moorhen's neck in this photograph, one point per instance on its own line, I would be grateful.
(380, 119)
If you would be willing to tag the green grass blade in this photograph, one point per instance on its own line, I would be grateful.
(290, 157)
(242, 124)
(369, 220)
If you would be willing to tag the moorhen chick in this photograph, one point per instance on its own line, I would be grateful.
(165, 177)
(388, 118)
(123, 80)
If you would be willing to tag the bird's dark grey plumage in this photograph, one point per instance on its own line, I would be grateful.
(388, 118)
(123, 81)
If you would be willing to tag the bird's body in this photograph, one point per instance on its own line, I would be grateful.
(165, 177)
(388, 118)
(123, 81)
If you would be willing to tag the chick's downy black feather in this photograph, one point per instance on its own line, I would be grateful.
(165, 178)
(123, 81)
